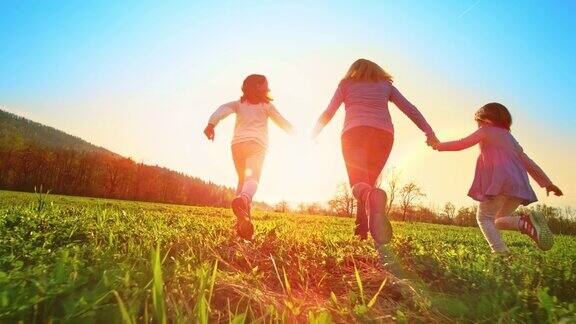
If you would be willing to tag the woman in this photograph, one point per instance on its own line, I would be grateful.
(367, 139)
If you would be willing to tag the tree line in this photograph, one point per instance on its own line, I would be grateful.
(104, 175)
(405, 204)
(33, 155)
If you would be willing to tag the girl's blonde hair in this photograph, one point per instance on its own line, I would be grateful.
(366, 70)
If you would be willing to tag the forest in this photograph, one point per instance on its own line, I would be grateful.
(34, 157)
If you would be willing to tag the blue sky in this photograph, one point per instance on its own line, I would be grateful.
(523, 47)
(141, 77)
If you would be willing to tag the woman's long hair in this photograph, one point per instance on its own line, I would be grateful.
(367, 71)
(252, 90)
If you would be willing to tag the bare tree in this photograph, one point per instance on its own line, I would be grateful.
(393, 180)
(409, 194)
(449, 210)
(315, 208)
(569, 212)
(282, 207)
(466, 216)
(301, 208)
(343, 203)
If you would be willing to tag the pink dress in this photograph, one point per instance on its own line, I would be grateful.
(502, 167)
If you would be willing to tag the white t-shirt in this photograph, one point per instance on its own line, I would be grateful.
(251, 120)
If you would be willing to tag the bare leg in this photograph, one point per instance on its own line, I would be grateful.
(239, 165)
(253, 170)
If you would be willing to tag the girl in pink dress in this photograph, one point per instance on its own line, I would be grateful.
(501, 181)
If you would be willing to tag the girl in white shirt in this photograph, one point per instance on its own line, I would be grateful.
(249, 142)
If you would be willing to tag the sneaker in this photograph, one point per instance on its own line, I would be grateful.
(504, 255)
(380, 226)
(361, 228)
(241, 209)
(535, 226)
(389, 260)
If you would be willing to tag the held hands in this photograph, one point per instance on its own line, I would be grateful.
(209, 132)
(432, 141)
(553, 188)
(291, 130)
(316, 131)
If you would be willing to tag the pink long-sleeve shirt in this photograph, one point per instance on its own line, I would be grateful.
(251, 120)
(366, 104)
(502, 167)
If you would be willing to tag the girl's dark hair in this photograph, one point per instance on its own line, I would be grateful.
(496, 114)
(252, 92)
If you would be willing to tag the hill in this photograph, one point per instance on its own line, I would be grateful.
(66, 259)
(16, 131)
(34, 156)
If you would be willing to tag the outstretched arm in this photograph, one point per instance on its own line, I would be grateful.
(220, 113)
(327, 115)
(533, 169)
(411, 111)
(279, 120)
(538, 174)
(463, 143)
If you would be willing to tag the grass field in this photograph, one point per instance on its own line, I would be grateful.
(93, 260)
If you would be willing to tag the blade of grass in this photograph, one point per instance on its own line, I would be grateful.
(278, 274)
(123, 311)
(373, 300)
(359, 283)
(287, 283)
(202, 310)
(212, 281)
(146, 316)
(158, 288)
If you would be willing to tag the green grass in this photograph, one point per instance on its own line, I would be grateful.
(94, 260)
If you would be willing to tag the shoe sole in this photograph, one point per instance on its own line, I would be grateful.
(244, 227)
(545, 236)
(389, 260)
(361, 227)
(380, 226)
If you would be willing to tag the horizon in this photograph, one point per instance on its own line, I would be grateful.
(130, 78)
(292, 205)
